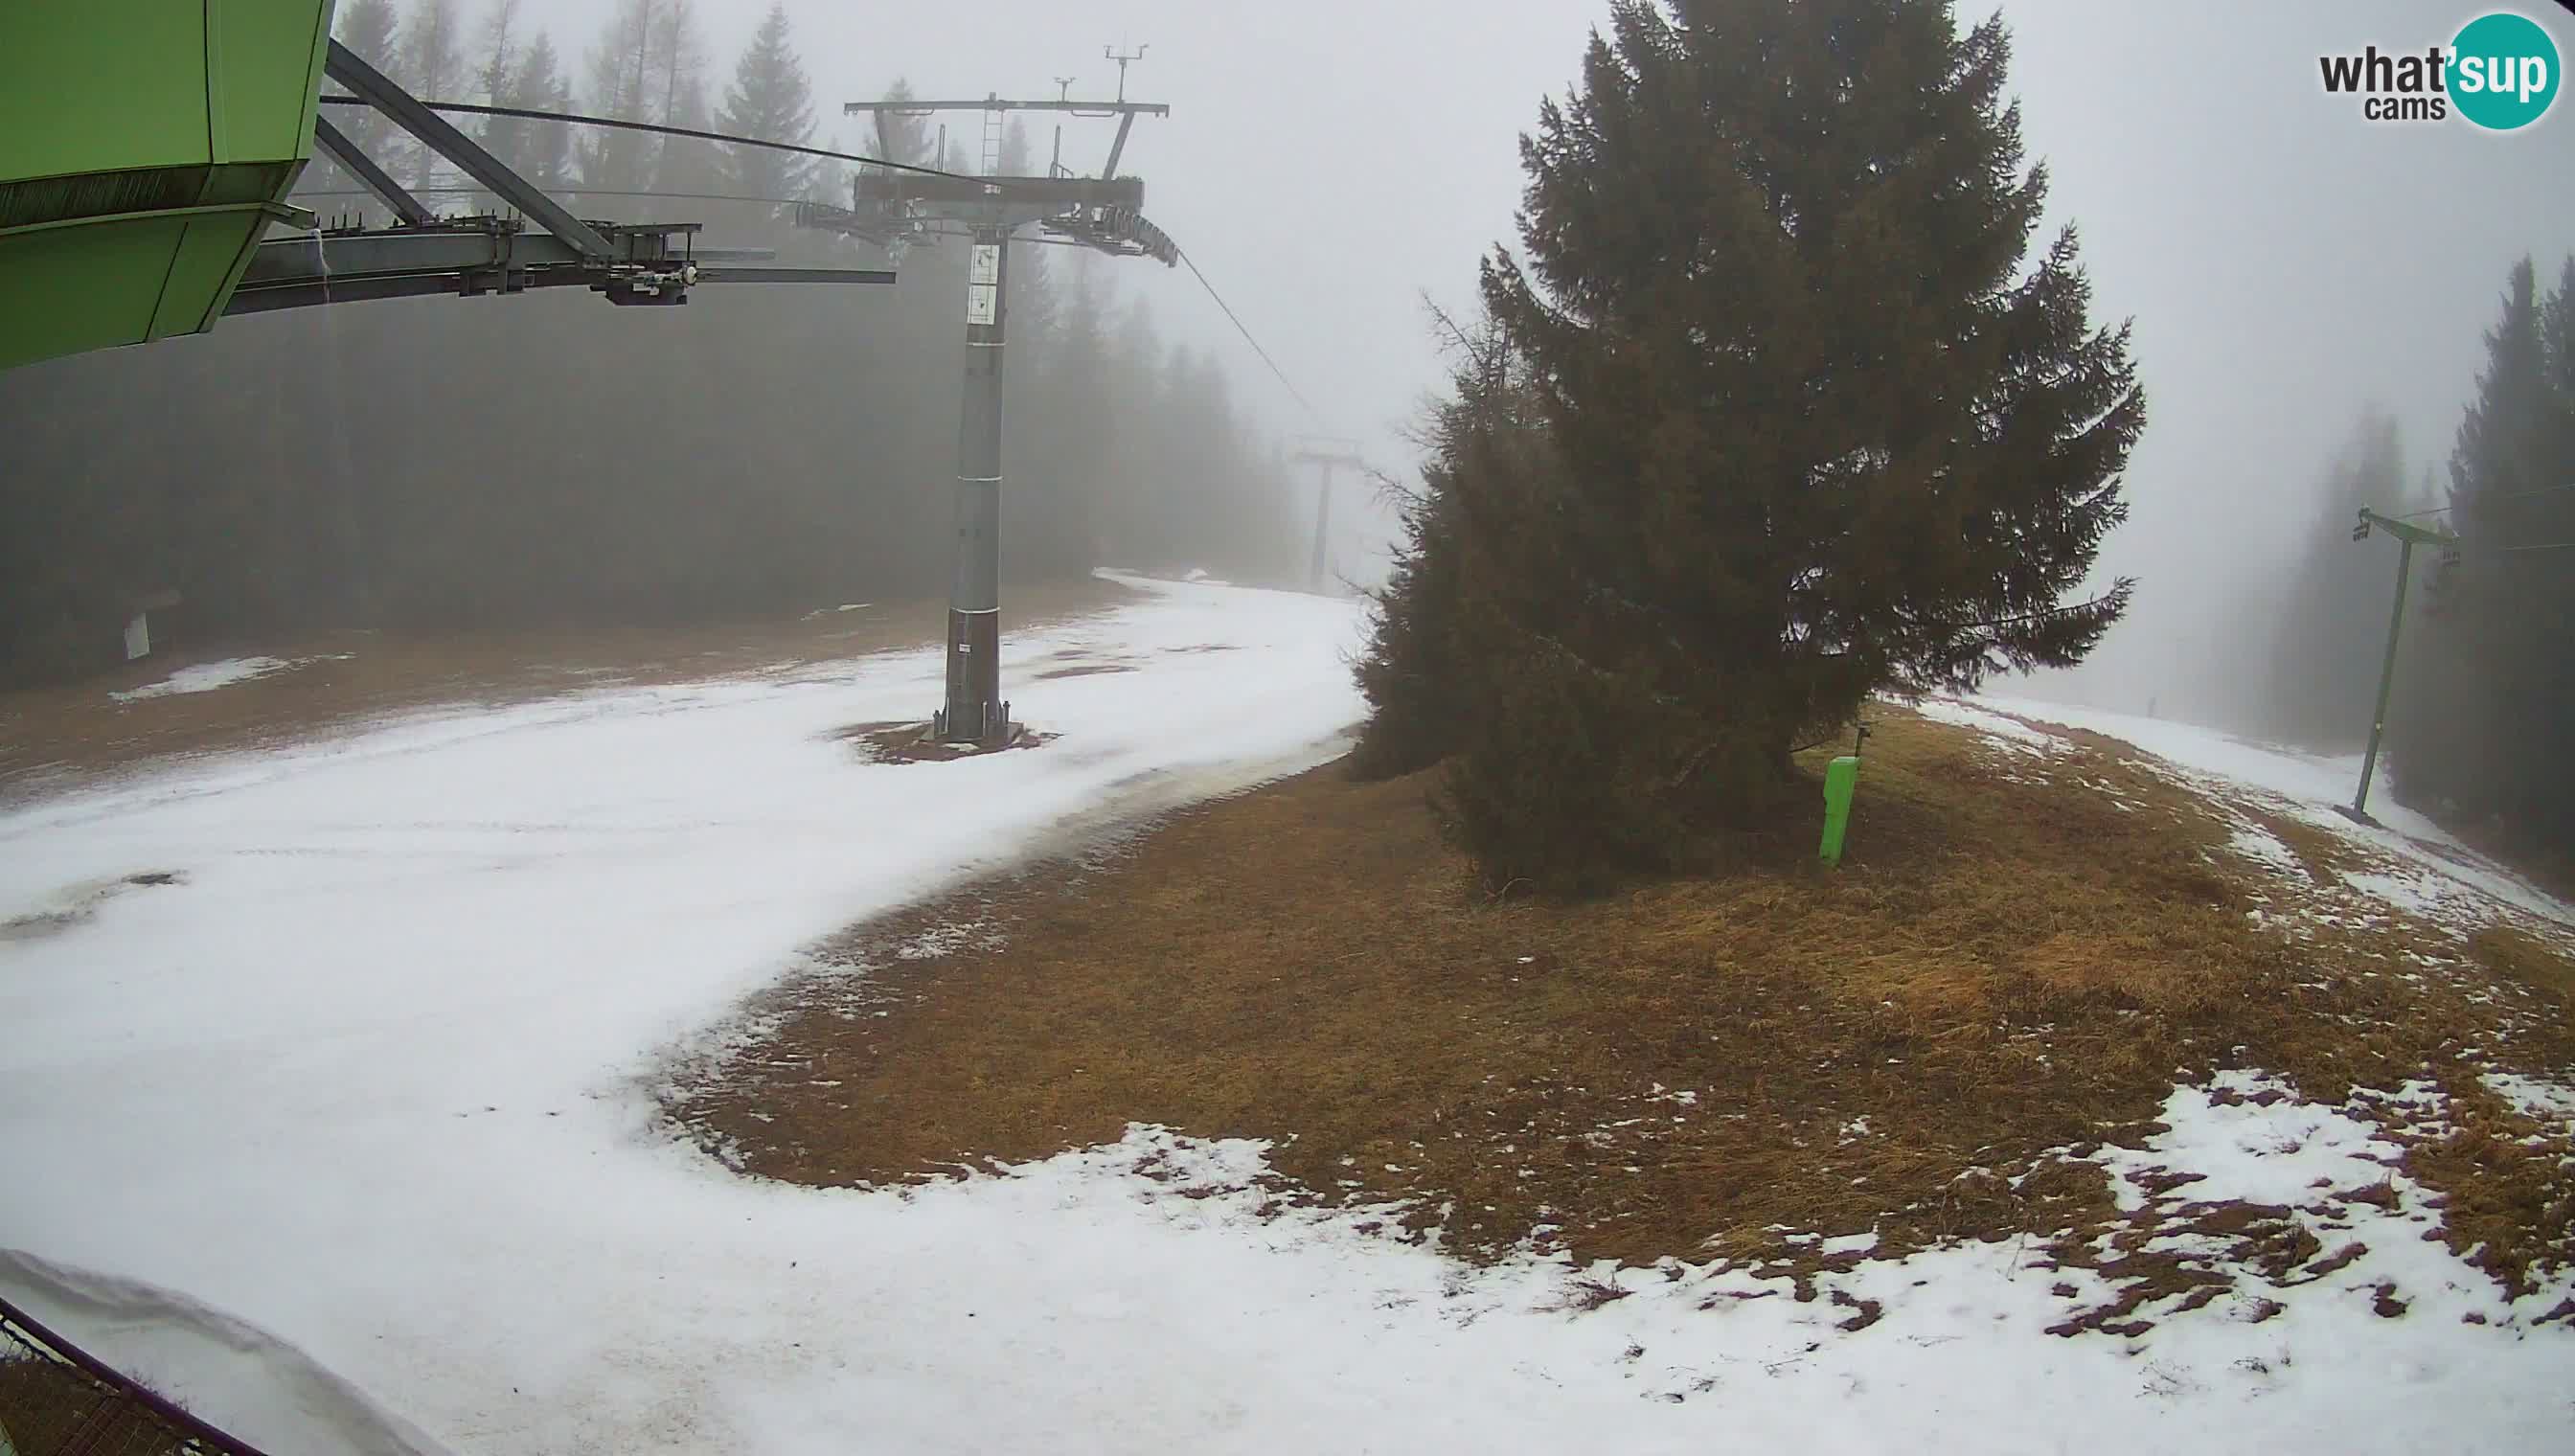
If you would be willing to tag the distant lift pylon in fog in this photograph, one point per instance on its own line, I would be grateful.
(2410, 535)
(1325, 454)
(894, 210)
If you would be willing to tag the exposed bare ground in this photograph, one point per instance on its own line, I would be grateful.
(55, 737)
(2018, 960)
(47, 1407)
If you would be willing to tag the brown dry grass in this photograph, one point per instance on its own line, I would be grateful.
(2003, 975)
(54, 736)
(47, 1407)
(2510, 952)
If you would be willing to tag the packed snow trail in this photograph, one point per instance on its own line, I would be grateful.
(372, 1058)
(350, 1087)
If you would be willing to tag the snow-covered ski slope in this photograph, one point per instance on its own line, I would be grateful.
(345, 1135)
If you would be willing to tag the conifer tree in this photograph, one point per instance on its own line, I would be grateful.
(901, 138)
(1814, 425)
(623, 66)
(542, 151)
(768, 99)
(433, 65)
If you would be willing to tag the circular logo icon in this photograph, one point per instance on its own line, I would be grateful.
(2503, 71)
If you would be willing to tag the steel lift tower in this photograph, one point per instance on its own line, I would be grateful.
(1326, 455)
(894, 210)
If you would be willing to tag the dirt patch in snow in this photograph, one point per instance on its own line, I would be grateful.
(1092, 669)
(911, 743)
(1960, 1035)
(48, 1405)
(78, 905)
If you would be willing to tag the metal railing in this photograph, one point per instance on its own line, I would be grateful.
(58, 1400)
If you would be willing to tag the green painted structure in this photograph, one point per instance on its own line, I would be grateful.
(1841, 780)
(145, 147)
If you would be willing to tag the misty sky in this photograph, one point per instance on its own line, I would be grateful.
(1330, 161)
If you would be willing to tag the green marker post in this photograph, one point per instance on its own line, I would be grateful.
(1841, 780)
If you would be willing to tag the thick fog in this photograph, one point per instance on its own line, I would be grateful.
(1333, 163)
(2287, 263)
(1325, 163)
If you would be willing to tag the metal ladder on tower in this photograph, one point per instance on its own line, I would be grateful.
(992, 128)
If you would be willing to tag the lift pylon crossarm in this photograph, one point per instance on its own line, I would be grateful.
(1325, 453)
(628, 263)
(2405, 531)
(1034, 197)
(479, 255)
(1124, 110)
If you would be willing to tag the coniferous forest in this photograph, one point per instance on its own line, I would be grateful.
(2483, 684)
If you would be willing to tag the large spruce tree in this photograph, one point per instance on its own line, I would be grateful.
(542, 150)
(770, 100)
(1812, 424)
(431, 47)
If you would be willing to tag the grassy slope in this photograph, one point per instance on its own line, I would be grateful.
(2017, 962)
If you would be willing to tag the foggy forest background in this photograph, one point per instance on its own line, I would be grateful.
(2485, 678)
(549, 458)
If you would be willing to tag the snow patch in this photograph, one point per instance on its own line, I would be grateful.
(207, 676)
(942, 941)
(2263, 848)
(2004, 733)
(2550, 1104)
(2418, 891)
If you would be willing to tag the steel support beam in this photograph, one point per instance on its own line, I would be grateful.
(2386, 682)
(354, 160)
(306, 293)
(352, 255)
(470, 257)
(975, 712)
(728, 273)
(1118, 148)
(1103, 213)
(1323, 528)
(1034, 195)
(2409, 536)
(441, 136)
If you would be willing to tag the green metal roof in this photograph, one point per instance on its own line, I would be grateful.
(145, 146)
